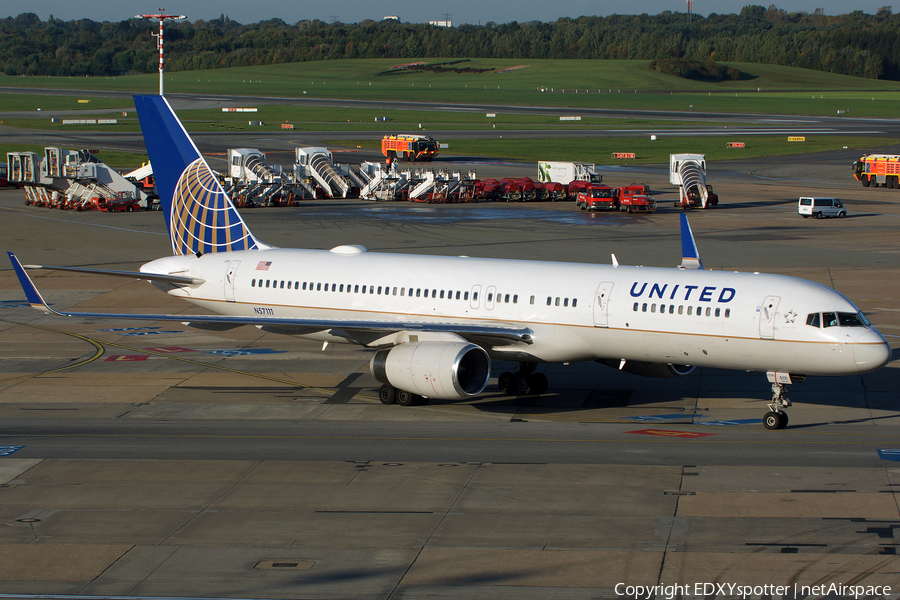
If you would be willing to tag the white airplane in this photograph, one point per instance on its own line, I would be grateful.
(436, 322)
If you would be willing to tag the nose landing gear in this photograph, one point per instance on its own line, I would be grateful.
(776, 418)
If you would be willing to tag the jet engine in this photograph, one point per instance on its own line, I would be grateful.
(451, 371)
(648, 369)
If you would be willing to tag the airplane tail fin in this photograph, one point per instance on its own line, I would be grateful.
(690, 256)
(199, 214)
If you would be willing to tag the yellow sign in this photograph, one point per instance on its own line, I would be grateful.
(796, 138)
(84, 102)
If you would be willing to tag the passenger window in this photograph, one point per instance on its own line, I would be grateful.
(699, 311)
(708, 311)
(507, 298)
(636, 304)
(532, 300)
(355, 289)
(402, 291)
(644, 307)
(379, 290)
(296, 285)
(690, 310)
(813, 320)
(465, 295)
(549, 300)
(442, 295)
(574, 302)
(304, 285)
(557, 301)
(671, 309)
(289, 285)
(333, 287)
(718, 311)
(318, 287)
(474, 296)
(457, 295)
(653, 307)
(395, 291)
(662, 308)
(252, 283)
(342, 288)
(681, 309)
(829, 319)
(727, 313)
(267, 282)
(434, 293)
(566, 302)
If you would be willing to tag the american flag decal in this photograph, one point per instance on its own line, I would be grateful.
(264, 265)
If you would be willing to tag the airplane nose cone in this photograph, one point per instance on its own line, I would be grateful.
(871, 351)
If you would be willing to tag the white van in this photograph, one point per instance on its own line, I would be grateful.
(821, 207)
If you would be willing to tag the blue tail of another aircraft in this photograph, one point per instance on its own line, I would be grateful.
(199, 214)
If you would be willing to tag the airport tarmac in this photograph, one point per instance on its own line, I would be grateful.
(150, 459)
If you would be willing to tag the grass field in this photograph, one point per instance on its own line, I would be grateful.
(598, 150)
(564, 83)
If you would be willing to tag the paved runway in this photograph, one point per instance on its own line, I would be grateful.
(150, 459)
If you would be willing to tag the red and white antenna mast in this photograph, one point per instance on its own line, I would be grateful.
(690, 4)
(161, 17)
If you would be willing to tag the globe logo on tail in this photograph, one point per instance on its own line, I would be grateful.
(203, 219)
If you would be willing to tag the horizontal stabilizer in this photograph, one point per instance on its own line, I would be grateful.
(176, 279)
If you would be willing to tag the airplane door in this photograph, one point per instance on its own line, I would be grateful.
(489, 298)
(230, 272)
(767, 317)
(601, 304)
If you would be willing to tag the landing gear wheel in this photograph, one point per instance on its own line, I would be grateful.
(782, 420)
(539, 383)
(520, 385)
(777, 418)
(504, 381)
(772, 420)
(387, 394)
(405, 398)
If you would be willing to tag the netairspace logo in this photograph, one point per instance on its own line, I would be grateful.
(732, 590)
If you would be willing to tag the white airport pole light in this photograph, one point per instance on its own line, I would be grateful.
(159, 37)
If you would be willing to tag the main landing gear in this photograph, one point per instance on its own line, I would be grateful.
(388, 394)
(523, 382)
(776, 418)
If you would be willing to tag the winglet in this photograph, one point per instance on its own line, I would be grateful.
(690, 257)
(31, 292)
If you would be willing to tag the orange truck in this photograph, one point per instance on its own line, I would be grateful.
(878, 169)
(410, 147)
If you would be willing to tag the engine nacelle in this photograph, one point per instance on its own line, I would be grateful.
(451, 371)
(648, 369)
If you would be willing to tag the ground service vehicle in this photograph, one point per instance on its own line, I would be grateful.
(821, 207)
(878, 169)
(568, 171)
(596, 197)
(635, 198)
(410, 147)
(688, 172)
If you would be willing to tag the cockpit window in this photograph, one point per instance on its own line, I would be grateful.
(843, 319)
(850, 320)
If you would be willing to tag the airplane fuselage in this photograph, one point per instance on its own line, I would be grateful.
(577, 312)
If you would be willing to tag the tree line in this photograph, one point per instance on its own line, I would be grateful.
(857, 43)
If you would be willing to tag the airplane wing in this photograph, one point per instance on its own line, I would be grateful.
(177, 279)
(690, 256)
(360, 331)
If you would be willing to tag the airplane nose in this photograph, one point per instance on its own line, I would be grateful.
(871, 351)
